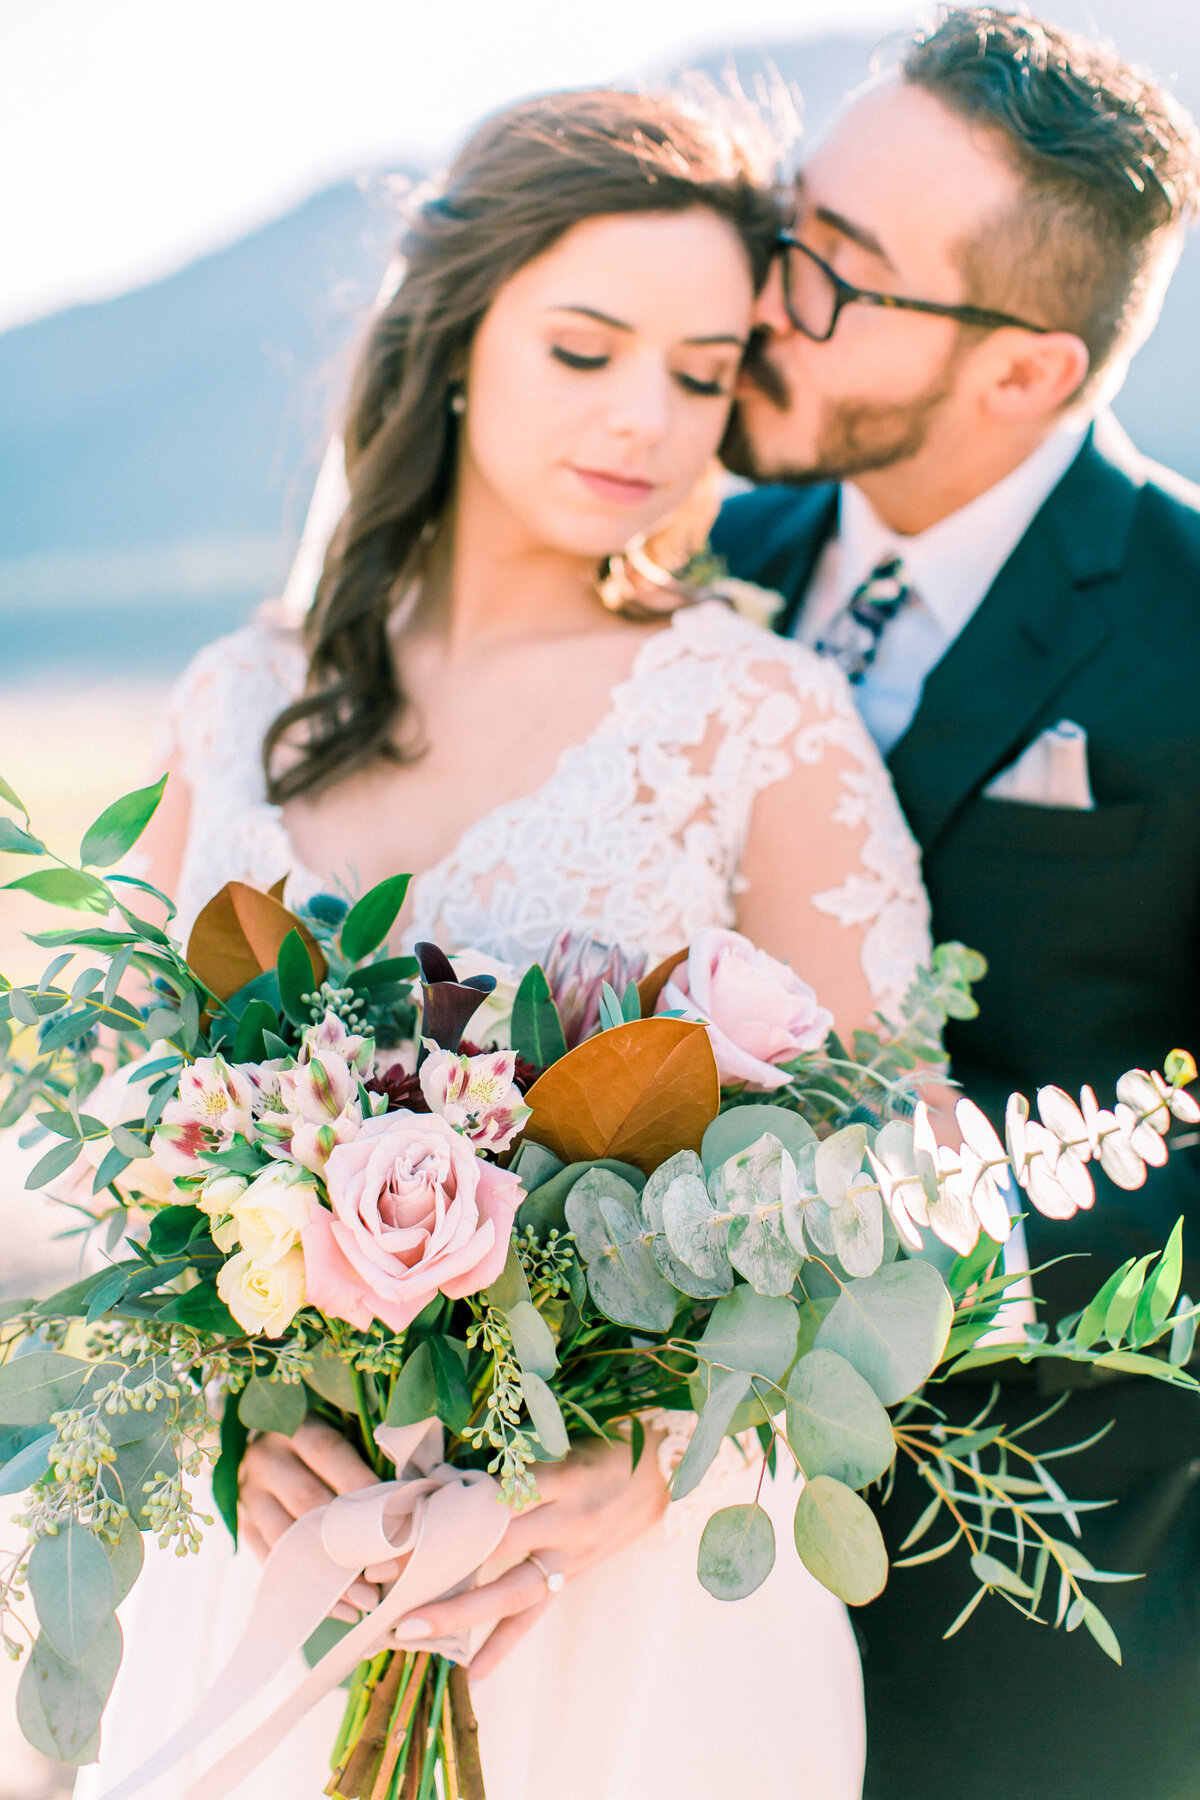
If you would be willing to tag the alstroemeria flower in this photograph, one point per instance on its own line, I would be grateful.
(215, 1105)
(331, 1037)
(321, 1109)
(475, 1094)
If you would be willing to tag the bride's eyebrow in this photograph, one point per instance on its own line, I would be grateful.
(589, 312)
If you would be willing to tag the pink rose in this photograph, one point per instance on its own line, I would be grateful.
(415, 1213)
(757, 1011)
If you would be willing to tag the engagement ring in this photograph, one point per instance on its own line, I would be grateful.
(553, 1578)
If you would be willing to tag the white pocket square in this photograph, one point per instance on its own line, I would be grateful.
(1052, 771)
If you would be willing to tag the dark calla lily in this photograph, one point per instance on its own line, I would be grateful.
(448, 1002)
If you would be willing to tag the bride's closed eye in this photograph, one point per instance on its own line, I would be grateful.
(575, 359)
(710, 388)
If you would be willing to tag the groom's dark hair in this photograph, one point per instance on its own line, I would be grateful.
(1109, 166)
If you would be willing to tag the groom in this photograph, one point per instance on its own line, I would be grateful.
(982, 242)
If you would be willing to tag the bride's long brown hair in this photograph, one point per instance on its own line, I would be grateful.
(523, 180)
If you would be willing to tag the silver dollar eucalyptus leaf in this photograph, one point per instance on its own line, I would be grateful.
(857, 1228)
(750, 1185)
(682, 1176)
(625, 1281)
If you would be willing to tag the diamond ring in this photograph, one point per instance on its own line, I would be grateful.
(554, 1579)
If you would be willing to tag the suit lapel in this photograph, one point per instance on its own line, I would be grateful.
(790, 572)
(1043, 617)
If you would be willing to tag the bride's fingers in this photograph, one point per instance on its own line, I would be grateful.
(382, 1573)
(266, 1517)
(329, 1455)
(249, 1538)
(515, 1592)
(506, 1636)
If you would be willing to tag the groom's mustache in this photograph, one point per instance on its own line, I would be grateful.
(758, 368)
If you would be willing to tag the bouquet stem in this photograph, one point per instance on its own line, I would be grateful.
(408, 1719)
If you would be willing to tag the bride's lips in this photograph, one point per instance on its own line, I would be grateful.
(624, 490)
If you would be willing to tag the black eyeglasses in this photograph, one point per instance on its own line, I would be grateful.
(814, 295)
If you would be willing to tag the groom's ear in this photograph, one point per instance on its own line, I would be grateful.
(1035, 374)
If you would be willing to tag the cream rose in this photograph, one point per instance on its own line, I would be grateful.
(264, 1298)
(271, 1212)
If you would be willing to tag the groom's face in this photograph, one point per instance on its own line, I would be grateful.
(886, 198)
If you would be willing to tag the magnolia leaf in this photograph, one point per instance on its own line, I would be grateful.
(637, 1093)
(59, 1703)
(34, 1386)
(546, 1415)
(727, 1390)
(835, 1422)
(414, 1393)
(71, 1580)
(751, 1332)
(272, 1406)
(839, 1160)
(66, 887)
(652, 984)
(27, 1465)
(742, 1126)
(688, 1246)
(120, 826)
(750, 1186)
(371, 918)
(532, 1340)
(737, 1552)
(892, 1326)
(839, 1541)
(623, 1277)
(238, 936)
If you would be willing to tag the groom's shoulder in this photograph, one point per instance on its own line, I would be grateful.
(761, 533)
(1165, 504)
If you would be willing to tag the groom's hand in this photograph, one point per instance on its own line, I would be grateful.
(283, 1478)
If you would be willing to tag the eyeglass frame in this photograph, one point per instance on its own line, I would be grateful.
(846, 294)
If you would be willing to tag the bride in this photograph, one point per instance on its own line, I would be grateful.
(500, 686)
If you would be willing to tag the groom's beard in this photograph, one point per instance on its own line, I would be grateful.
(851, 438)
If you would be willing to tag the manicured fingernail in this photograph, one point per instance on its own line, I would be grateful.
(413, 1628)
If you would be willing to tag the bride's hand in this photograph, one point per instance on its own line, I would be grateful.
(590, 1506)
(283, 1478)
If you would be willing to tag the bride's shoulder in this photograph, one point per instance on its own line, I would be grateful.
(260, 665)
(732, 628)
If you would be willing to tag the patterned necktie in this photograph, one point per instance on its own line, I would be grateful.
(852, 638)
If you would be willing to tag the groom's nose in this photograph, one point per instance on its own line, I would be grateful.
(770, 314)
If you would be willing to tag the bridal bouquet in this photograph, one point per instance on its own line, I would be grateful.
(463, 1212)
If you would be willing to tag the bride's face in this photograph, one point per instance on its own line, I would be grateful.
(599, 381)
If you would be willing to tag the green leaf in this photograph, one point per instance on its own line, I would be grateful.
(892, 1326)
(623, 1277)
(34, 1386)
(234, 1438)
(450, 1381)
(18, 842)
(532, 1340)
(1121, 1306)
(1091, 1320)
(536, 1031)
(120, 826)
(390, 972)
(203, 1309)
(611, 1015)
(272, 1406)
(742, 1126)
(737, 1552)
(27, 1465)
(7, 793)
(750, 1185)
(631, 1003)
(414, 1393)
(835, 1423)
(248, 1045)
(296, 978)
(59, 1703)
(71, 1580)
(1183, 1334)
(511, 1286)
(1163, 1287)
(372, 917)
(727, 1390)
(545, 1414)
(689, 1250)
(331, 1378)
(66, 887)
(994, 1574)
(1101, 1630)
(839, 1541)
(135, 1467)
(545, 1206)
(126, 1556)
(752, 1333)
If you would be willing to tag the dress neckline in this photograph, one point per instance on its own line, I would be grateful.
(309, 883)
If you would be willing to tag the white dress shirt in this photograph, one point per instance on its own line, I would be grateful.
(949, 568)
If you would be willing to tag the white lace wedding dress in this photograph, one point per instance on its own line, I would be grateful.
(635, 1684)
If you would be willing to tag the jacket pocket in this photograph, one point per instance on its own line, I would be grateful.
(1011, 828)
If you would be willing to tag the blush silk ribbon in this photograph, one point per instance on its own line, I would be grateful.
(445, 1521)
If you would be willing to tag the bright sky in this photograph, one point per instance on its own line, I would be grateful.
(135, 134)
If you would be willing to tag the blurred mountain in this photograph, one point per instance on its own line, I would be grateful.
(157, 450)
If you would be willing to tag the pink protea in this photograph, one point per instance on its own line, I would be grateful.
(577, 968)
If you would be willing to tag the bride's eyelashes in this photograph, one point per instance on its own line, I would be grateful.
(711, 388)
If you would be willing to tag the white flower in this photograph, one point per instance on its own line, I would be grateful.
(270, 1214)
(264, 1298)
(217, 1198)
(475, 1094)
(758, 604)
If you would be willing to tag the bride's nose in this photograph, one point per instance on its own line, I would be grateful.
(640, 405)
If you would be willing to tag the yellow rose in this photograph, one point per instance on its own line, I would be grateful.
(264, 1298)
(269, 1214)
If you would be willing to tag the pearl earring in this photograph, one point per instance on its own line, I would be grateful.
(458, 402)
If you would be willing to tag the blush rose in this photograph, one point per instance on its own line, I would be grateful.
(758, 1012)
(414, 1212)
